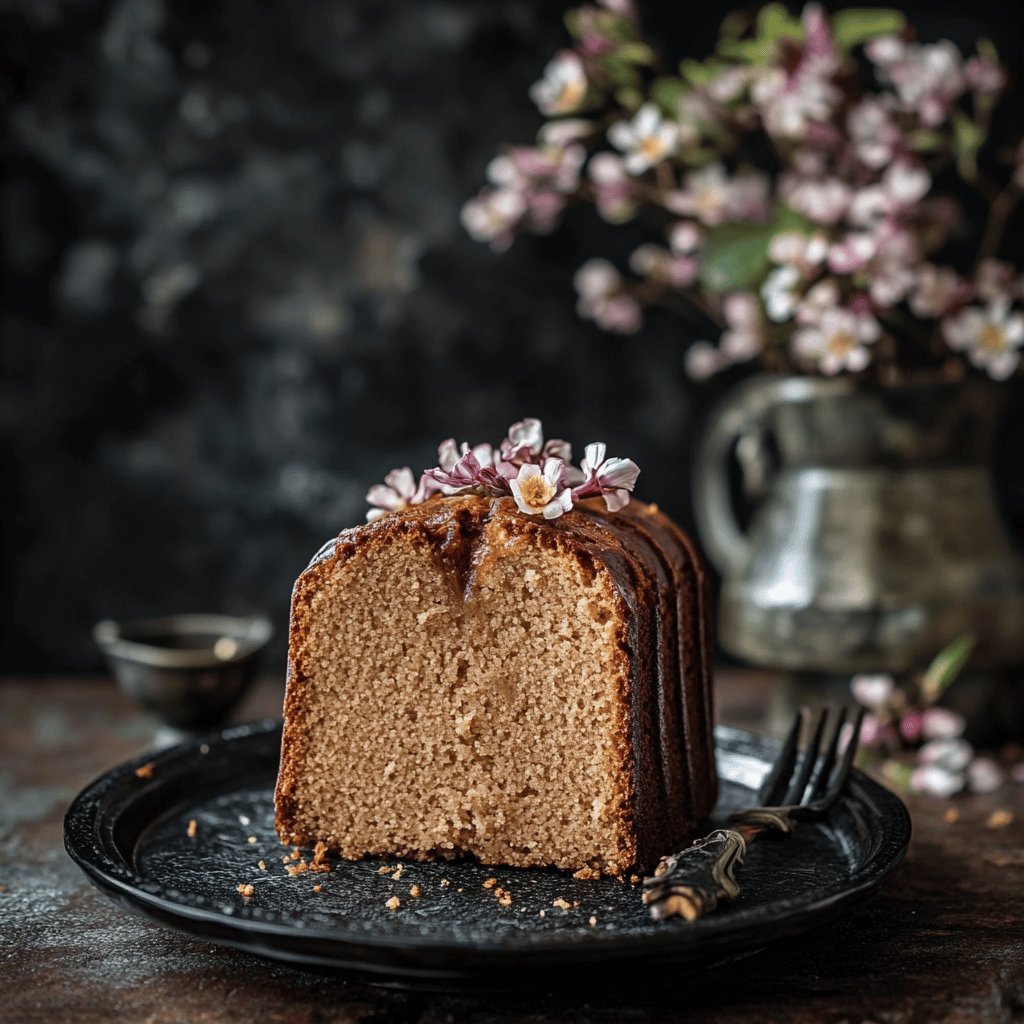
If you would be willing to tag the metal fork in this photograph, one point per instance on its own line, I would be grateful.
(801, 786)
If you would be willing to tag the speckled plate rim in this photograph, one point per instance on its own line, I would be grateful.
(373, 948)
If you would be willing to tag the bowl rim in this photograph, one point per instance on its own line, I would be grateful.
(251, 634)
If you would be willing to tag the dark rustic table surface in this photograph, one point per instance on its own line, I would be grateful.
(943, 942)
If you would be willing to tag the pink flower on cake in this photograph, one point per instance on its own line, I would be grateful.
(538, 490)
(563, 86)
(646, 140)
(398, 491)
(991, 336)
(613, 479)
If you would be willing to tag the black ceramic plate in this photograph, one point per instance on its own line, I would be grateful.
(130, 836)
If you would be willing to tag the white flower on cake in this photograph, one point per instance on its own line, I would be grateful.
(536, 489)
(646, 140)
(991, 336)
(563, 87)
(537, 474)
(399, 490)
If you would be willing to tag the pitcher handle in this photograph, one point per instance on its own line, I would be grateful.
(725, 541)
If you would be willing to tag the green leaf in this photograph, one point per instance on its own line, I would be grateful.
(987, 50)
(573, 23)
(620, 72)
(636, 53)
(923, 140)
(967, 140)
(945, 667)
(858, 25)
(774, 22)
(667, 92)
(629, 97)
(735, 256)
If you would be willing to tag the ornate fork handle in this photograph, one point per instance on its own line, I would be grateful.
(690, 884)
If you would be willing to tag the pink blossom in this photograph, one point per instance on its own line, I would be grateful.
(941, 724)
(613, 479)
(823, 200)
(538, 490)
(538, 168)
(646, 140)
(872, 690)
(781, 292)
(993, 279)
(935, 291)
(493, 216)
(744, 338)
(684, 237)
(563, 87)
(652, 261)
(936, 780)
(565, 131)
(991, 336)
(706, 196)
(927, 78)
(601, 299)
(984, 775)
(851, 253)
(704, 360)
(953, 754)
(910, 725)
(984, 75)
(819, 298)
(874, 134)
(838, 342)
(398, 491)
(802, 250)
(615, 192)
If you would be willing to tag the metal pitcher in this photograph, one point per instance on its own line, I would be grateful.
(875, 536)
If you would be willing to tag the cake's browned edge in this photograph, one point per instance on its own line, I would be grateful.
(670, 780)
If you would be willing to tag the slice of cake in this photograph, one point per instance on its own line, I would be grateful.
(471, 675)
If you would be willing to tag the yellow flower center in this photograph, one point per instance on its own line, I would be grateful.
(992, 338)
(841, 343)
(570, 97)
(537, 491)
(651, 148)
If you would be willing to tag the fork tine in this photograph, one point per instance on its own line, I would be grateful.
(810, 757)
(822, 772)
(842, 772)
(773, 788)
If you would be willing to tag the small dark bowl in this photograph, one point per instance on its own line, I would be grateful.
(189, 671)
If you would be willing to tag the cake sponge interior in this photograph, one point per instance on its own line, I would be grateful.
(432, 715)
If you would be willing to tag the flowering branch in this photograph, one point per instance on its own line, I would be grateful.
(793, 173)
(537, 474)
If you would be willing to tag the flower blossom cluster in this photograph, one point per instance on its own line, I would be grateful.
(539, 475)
(920, 745)
(833, 250)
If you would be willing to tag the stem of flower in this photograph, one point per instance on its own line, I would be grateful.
(1002, 207)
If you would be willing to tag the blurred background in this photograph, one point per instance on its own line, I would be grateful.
(235, 290)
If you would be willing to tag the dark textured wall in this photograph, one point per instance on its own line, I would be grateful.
(235, 290)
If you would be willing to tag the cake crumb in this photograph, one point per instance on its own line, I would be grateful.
(192, 827)
(999, 819)
(262, 865)
(445, 883)
(490, 883)
(398, 872)
(561, 904)
(285, 858)
(459, 889)
(504, 897)
(587, 874)
(319, 853)
(295, 854)
(415, 891)
(145, 771)
(394, 903)
(635, 879)
(593, 920)
(246, 889)
(243, 819)
(575, 903)
(252, 839)
(316, 888)
(385, 869)
(952, 816)
(543, 913)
